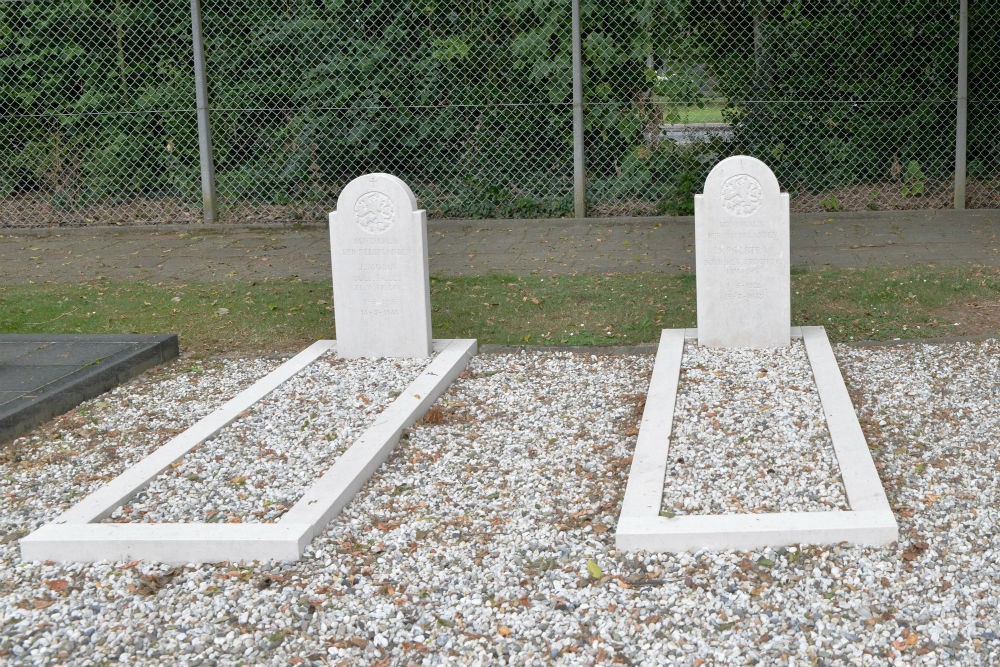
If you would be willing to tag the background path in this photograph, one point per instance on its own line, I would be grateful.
(469, 247)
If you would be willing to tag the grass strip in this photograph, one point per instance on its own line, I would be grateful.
(233, 317)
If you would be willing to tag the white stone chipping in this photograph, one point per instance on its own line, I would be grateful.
(749, 436)
(471, 544)
(258, 466)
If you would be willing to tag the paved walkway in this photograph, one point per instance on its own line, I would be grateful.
(566, 246)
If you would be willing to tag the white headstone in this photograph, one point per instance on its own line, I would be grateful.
(381, 288)
(742, 266)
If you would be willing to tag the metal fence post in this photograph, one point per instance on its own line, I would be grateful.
(961, 122)
(204, 127)
(579, 167)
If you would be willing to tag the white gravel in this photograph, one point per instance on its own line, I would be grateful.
(471, 544)
(259, 466)
(749, 436)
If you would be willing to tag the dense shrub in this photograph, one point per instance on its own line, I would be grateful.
(833, 92)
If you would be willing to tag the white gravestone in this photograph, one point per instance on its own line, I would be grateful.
(381, 289)
(742, 266)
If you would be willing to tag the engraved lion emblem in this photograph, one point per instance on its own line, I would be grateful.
(742, 195)
(374, 212)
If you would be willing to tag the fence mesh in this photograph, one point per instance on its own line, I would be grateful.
(97, 121)
(851, 104)
(984, 106)
(470, 102)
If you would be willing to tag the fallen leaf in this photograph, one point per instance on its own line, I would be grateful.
(57, 585)
(915, 550)
(504, 631)
(593, 569)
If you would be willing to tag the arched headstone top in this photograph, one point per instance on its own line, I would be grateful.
(742, 257)
(377, 202)
(381, 293)
(741, 184)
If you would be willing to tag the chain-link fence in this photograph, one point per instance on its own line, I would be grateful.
(471, 102)
(97, 119)
(466, 101)
(984, 106)
(851, 104)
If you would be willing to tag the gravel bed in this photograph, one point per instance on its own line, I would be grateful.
(259, 466)
(749, 436)
(488, 537)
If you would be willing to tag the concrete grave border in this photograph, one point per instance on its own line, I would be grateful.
(75, 535)
(869, 521)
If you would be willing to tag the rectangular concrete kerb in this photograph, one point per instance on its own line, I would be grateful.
(76, 536)
(640, 527)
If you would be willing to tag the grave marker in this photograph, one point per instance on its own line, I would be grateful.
(743, 285)
(382, 304)
(742, 257)
(381, 289)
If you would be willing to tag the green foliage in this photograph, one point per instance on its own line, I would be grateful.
(467, 102)
(820, 89)
(668, 173)
(915, 179)
(630, 87)
(87, 88)
(984, 91)
(306, 95)
(470, 102)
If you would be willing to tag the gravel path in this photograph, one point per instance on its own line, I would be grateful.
(488, 536)
(749, 436)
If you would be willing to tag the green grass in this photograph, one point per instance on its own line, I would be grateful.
(262, 317)
(282, 316)
(709, 113)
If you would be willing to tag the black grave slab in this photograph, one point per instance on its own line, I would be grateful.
(44, 375)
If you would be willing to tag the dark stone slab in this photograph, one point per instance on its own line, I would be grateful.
(7, 396)
(30, 379)
(44, 375)
(73, 353)
(12, 351)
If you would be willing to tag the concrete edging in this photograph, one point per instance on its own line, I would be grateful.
(640, 526)
(75, 537)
